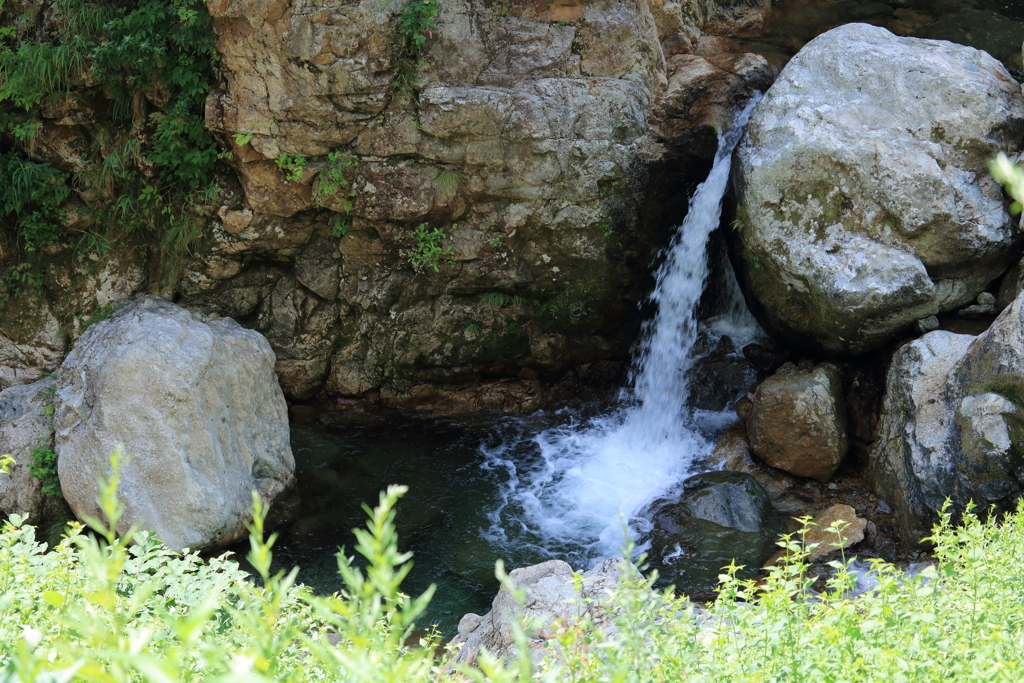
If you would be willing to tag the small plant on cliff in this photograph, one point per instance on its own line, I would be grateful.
(6, 463)
(449, 182)
(415, 27)
(44, 468)
(33, 194)
(429, 250)
(332, 177)
(292, 166)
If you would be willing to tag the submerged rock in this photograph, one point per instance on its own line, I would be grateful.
(25, 424)
(797, 421)
(865, 202)
(718, 518)
(952, 424)
(198, 410)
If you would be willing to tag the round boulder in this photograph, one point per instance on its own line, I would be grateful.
(864, 198)
(797, 421)
(197, 407)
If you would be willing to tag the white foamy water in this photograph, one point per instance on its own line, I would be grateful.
(571, 490)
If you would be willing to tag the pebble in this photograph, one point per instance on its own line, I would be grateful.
(833, 486)
(884, 508)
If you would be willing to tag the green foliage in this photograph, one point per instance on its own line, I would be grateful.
(1010, 175)
(499, 299)
(98, 608)
(127, 49)
(429, 251)
(124, 59)
(33, 193)
(101, 313)
(341, 227)
(44, 468)
(415, 23)
(448, 182)
(332, 177)
(6, 463)
(292, 166)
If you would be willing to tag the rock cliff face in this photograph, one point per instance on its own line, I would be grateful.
(539, 146)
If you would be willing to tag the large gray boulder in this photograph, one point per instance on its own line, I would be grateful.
(26, 423)
(952, 424)
(197, 407)
(864, 198)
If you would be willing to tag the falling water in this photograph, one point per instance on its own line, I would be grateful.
(572, 490)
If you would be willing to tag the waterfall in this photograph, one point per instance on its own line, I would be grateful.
(572, 492)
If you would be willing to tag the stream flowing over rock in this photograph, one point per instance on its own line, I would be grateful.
(952, 424)
(864, 198)
(195, 404)
(25, 424)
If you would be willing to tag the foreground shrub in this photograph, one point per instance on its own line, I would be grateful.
(99, 609)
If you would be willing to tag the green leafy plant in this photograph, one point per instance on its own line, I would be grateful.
(44, 468)
(341, 227)
(333, 176)
(242, 139)
(100, 314)
(119, 608)
(6, 463)
(292, 166)
(33, 193)
(1011, 175)
(144, 67)
(429, 251)
(415, 26)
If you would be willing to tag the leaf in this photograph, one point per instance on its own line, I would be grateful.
(54, 598)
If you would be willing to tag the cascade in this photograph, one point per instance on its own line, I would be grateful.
(572, 491)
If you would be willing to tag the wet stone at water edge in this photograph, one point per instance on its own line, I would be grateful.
(718, 517)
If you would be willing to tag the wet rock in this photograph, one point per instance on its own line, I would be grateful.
(832, 529)
(797, 421)
(717, 517)
(704, 90)
(26, 423)
(865, 202)
(732, 452)
(720, 377)
(195, 404)
(766, 356)
(551, 594)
